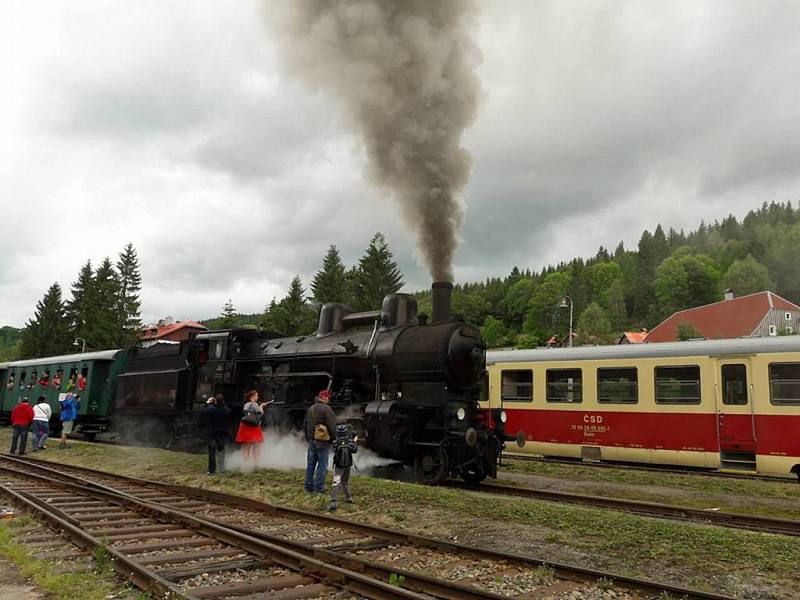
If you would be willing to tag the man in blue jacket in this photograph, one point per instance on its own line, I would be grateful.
(69, 412)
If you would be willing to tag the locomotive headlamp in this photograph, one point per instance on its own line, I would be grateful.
(503, 416)
(461, 413)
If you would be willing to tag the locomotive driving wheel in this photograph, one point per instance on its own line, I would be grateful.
(472, 474)
(431, 466)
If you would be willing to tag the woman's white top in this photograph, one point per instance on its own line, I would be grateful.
(42, 412)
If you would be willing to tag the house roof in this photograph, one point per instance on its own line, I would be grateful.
(155, 333)
(634, 337)
(733, 318)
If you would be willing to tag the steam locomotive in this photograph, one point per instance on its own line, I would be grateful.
(410, 388)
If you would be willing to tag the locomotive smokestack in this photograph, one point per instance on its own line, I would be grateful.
(441, 291)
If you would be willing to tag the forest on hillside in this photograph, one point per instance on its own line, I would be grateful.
(611, 292)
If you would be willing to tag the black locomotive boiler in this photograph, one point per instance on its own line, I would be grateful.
(410, 387)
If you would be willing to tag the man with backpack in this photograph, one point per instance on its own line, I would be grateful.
(319, 426)
(344, 446)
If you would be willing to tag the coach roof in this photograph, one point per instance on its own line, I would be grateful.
(66, 358)
(740, 346)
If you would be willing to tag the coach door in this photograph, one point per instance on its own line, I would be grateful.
(735, 421)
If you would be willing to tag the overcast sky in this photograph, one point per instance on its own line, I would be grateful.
(169, 125)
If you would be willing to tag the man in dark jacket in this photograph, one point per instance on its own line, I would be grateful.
(214, 419)
(21, 419)
(320, 427)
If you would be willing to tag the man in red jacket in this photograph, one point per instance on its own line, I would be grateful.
(21, 419)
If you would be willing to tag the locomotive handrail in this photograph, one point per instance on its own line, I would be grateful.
(286, 375)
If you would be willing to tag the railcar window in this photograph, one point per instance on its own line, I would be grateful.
(564, 385)
(734, 384)
(516, 385)
(784, 383)
(678, 385)
(617, 386)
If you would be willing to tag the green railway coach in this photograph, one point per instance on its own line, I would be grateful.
(93, 375)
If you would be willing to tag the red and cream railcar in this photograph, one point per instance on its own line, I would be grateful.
(721, 404)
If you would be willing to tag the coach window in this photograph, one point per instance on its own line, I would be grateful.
(734, 384)
(564, 385)
(784, 383)
(617, 386)
(517, 386)
(678, 385)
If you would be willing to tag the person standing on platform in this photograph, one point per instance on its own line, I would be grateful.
(214, 419)
(41, 423)
(69, 412)
(250, 435)
(21, 419)
(319, 426)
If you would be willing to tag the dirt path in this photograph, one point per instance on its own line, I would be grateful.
(13, 586)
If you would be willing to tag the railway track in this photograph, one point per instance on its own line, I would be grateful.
(651, 468)
(434, 568)
(650, 509)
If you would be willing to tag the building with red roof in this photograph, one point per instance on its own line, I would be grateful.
(759, 314)
(633, 337)
(168, 330)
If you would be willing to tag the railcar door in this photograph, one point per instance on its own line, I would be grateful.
(735, 420)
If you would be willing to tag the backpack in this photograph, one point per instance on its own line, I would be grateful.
(321, 433)
(342, 457)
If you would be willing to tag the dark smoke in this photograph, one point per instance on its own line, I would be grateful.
(405, 71)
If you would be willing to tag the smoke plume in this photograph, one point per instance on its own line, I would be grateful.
(405, 72)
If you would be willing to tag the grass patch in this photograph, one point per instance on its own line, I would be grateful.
(92, 585)
(788, 489)
(622, 543)
(779, 498)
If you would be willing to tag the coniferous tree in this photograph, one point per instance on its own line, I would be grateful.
(228, 315)
(377, 275)
(47, 333)
(128, 303)
(78, 307)
(102, 329)
(330, 283)
(293, 315)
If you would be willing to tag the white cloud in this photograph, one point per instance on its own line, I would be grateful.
(168, 125)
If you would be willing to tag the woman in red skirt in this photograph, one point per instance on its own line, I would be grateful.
(250, 435)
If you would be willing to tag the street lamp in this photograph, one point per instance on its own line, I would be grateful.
(83, 341)
(563, 304)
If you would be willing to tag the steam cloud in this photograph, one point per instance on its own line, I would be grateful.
(406, 74)
(285, 452)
